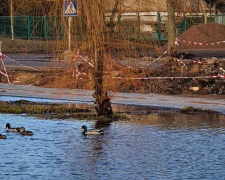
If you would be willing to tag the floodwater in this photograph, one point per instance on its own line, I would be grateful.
(166, 146)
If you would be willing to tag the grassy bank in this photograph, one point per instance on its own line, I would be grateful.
(52, 111)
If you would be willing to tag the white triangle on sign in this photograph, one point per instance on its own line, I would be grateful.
(70, 9)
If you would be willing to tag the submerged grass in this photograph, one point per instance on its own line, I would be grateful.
(33, 108)
(53, 111)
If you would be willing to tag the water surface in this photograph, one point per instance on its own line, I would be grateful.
(168, 146)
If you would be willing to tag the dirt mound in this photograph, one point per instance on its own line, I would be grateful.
(203, 33)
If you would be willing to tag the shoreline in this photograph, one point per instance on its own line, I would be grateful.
(129, 99)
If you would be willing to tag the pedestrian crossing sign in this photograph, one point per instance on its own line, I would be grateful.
(70, 8)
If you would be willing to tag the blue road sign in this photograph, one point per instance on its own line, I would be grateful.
(70, 8)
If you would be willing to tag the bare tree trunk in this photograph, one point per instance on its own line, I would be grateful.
(103, 104)
(93, 11)
(171, 24)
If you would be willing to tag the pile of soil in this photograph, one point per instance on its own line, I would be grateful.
(203, 33)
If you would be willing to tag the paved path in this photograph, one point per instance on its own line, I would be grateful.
(38, 61)
(153, 100)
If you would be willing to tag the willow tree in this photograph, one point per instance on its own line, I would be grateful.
(4, 8)
(97, 45)
(210, 4)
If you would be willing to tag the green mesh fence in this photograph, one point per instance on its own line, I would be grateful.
(128, 27)
(32, 27)
(20, 27)
(220, 19)
(37, 26)
(4, 26)
(53, 27)
(193, 20)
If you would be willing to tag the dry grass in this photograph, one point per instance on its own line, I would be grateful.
(32, 46)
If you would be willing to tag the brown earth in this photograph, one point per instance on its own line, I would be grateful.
(167, 67)
(203, 33)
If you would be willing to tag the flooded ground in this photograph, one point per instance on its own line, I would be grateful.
(167, 146)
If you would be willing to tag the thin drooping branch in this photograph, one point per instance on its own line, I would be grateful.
(96, 36)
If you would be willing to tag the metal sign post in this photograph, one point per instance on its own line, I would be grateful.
(69, 33)
(12, 19)
(69, 9)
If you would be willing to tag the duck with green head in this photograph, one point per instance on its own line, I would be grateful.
(91, 131)
(2, 136)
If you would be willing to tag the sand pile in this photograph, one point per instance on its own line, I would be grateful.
(203, 33)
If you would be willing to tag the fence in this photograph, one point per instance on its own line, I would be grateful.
(137, 26)
(28, 27)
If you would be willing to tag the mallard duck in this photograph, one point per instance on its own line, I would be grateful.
(25, 133)
(11, 129)
(91, 131)
(2, 136)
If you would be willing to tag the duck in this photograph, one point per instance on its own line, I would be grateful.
(2, 136)
(11, 129)
(25, 133)
(91, 131)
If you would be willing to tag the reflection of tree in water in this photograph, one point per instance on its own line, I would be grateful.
(96, 151)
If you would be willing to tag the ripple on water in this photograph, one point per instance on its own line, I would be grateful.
(152, 147)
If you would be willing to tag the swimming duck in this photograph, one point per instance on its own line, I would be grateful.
(91, 131)
(25, 133)
(11, 129)
(2, 136)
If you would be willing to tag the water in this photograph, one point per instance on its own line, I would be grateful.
(173, 146)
